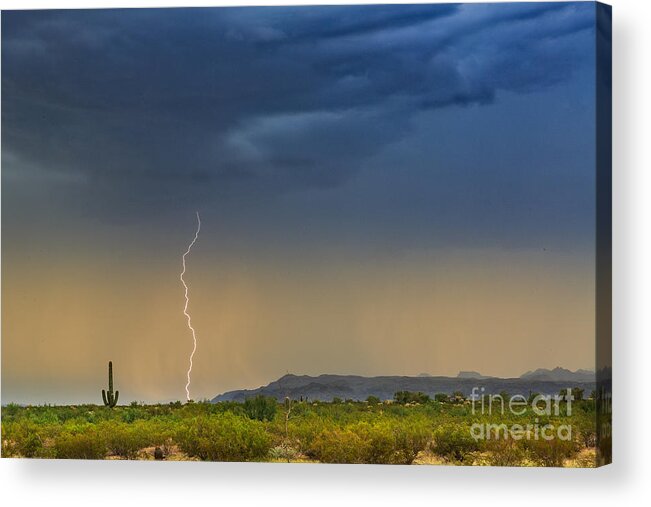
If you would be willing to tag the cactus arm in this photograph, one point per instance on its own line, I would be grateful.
(104, 397)
(115, 400)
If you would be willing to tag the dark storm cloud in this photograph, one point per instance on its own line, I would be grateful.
(154, 109)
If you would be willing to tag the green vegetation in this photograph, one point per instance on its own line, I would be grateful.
(261, 408)
(455, 443)
(405, 397)
(224, 437)
(411, 429)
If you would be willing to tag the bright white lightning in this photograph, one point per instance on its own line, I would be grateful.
(187, 302)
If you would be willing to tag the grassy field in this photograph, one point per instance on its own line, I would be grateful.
(431, 432)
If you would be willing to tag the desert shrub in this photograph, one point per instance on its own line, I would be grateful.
(550, 453)
(30, 445)
(505, 452)
(386, 441)
(411, 437)
(454, 442)
(586, 430)
(284, 451)
(133, 412)
(588, 437)
(125, 440)
(86, 445)
(9, 449)
(224, 437)
(373, 400)
(379, 441)
(24, 439)
(305, 429)
(161, 434)
(404, 397)
(261, 408)
(339, 445)
(577, 393)
(11, 410)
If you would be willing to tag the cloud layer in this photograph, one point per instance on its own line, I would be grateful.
(144, 110)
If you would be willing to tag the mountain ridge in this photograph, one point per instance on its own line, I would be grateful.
(325, 387)
(559, 374)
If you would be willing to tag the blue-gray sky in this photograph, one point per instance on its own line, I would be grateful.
(307, 137)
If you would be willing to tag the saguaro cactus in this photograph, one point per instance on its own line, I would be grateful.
(110, 399)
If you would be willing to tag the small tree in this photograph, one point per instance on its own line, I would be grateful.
(441, 397)
(458, 396)
(405, 397)
(260, 407)
(577, 393)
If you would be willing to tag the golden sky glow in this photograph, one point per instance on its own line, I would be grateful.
(495, 312)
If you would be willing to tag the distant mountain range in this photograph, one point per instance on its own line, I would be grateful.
(327, 387)
(556, 375)
(471, 374)
(560, 374)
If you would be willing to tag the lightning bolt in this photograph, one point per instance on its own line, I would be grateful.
(187, 302)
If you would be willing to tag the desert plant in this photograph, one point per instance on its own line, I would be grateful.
(284, 452)
(86, 445)
(505, 452)
(288, 410)
(125, 440)
(261, 408)
(380, 441)
(550, 453)
(24, 439)
(577, 393)
(586, 430)
(110, 399)
(306, 431)
(441, 397)
(386, 441)
(224, 437)
(339, 445)
(454, 442)
(404, 397)
(411, 438)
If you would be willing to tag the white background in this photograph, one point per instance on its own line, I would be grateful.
(627, 481)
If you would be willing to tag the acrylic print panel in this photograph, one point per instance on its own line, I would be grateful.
(352, 234)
